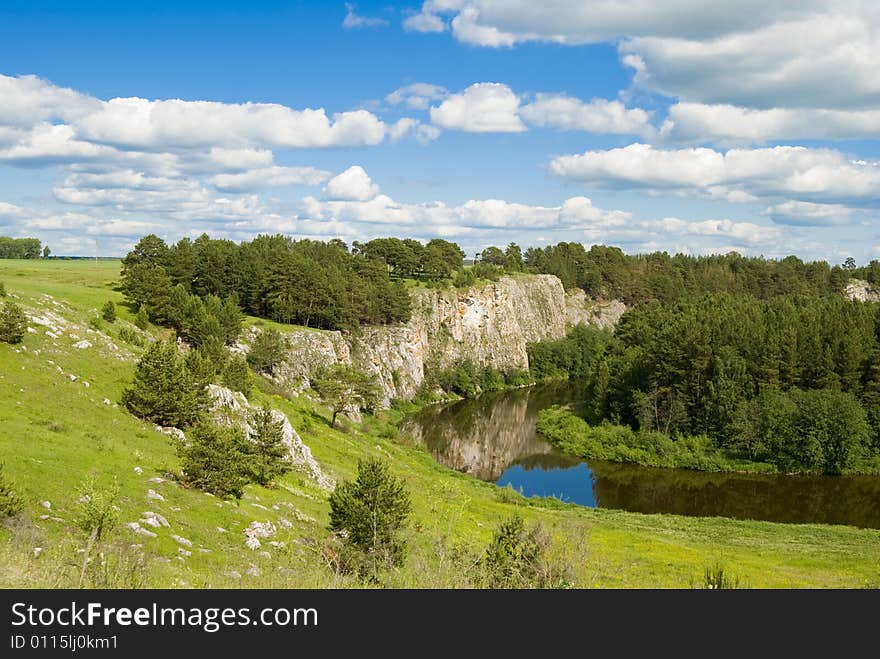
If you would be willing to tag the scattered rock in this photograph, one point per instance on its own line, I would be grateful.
(205, 550)
(266, 555)
(86, 384)
(155, 479)
(155, 496)
(138, 471)
(284, 523)
(232, 574)
(220, 529)
(253, 571)
(31, 330)
(81, 345)
(72, 377)
(184, 552)
(154, 519)
(171, 431)
(46, 504)
(106, 401)
(182, 541)
(137, 528)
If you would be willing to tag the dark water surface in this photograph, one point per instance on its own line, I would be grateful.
(493, 438)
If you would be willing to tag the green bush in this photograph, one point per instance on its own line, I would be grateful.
(10, 503)
(216, 459)
(108, 311)
(371, 512)
(97, 512)
(130, 336)
(13, 323)
(515, 556)
(716, 577)
(617, 443)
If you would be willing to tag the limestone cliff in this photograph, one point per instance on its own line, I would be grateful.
(490, 324)
(861, 290)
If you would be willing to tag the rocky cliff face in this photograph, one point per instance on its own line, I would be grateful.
(861, 290)
(490, 324)
(579, 309)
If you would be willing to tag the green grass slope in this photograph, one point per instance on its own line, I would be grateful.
(57, 431)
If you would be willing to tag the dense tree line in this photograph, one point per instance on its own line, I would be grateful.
(20, 248)
(306, 282)
(438, 259)
(607, 272)
(774, 380)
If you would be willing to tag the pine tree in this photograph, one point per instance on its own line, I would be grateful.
(108, 311)
(343, 388)
(215, 459)
(267, 351)
(237, 376)
(372, 511)
(13, 323)
(163, 390)
(268, 451)
(200, 366)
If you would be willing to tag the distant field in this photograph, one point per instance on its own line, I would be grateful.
(55, 432)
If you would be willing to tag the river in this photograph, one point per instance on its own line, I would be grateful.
(493, 438)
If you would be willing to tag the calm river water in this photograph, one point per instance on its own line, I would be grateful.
(493, 438)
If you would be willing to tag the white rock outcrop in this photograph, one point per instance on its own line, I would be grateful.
(490, 324)
(231, 407)
(862, 291)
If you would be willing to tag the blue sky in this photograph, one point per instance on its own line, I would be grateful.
(693, 126)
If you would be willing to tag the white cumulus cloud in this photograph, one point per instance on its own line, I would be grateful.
(416, 96)
(596, 116)
(269, 177)
(731, 124)
(484, 107)
(811, 174)
(756, 53)
(354, 184)
(805, 213)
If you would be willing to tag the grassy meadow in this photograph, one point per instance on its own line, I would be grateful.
(60, 424)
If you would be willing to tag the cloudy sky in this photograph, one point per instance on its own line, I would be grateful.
(688, 125)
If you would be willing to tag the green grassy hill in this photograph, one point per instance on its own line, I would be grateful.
(60, 423)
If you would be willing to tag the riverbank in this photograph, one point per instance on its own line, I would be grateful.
(615, 443)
